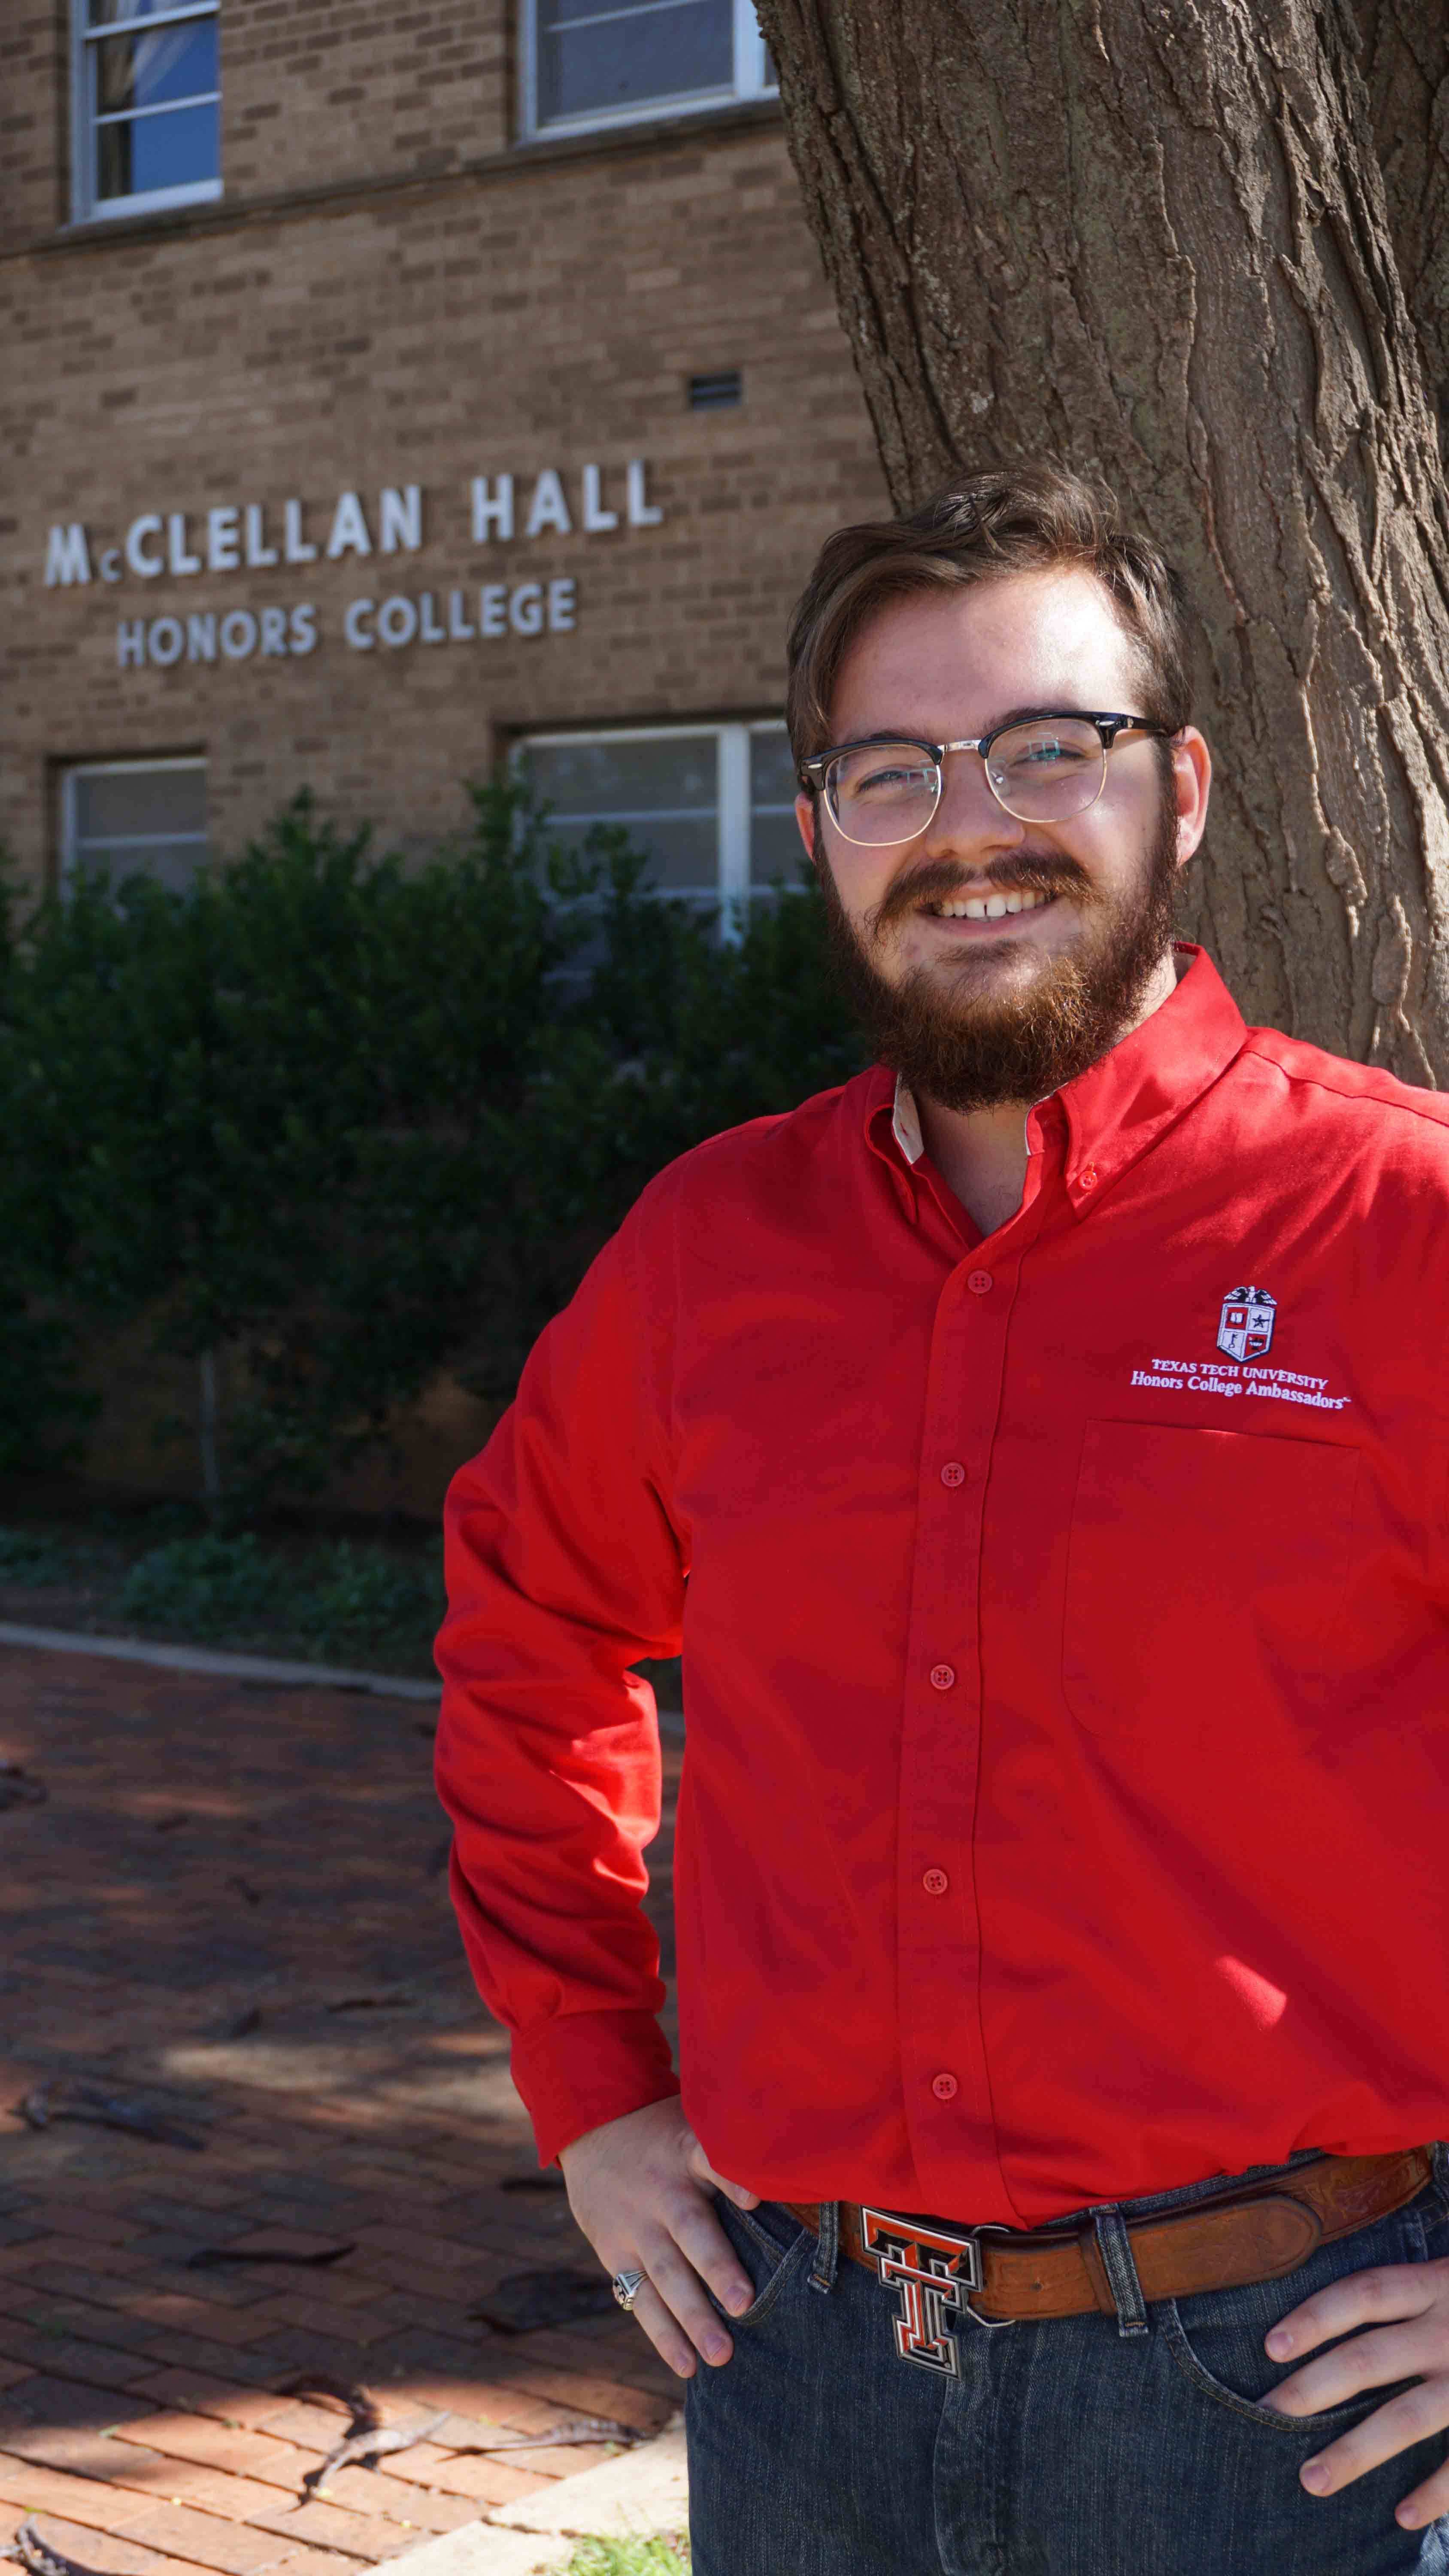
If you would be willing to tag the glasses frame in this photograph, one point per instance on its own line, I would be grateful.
(1110, 728)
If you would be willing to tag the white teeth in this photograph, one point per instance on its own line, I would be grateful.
(984, 907)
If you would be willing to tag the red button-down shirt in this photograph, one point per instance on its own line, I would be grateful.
(1064, 1618)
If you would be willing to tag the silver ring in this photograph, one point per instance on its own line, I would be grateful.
(626, 2287)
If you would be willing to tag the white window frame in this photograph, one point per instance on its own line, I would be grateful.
(732, 890)
(86, 206)
(78, 769)
(751, 80)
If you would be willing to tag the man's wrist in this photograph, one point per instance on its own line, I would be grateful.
(586, 2136)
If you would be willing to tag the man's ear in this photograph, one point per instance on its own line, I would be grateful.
(1192, 771)
(805, 825)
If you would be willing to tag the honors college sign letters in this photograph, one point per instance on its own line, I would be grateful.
(259, 536)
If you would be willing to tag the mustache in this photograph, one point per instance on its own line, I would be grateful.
(941, 878)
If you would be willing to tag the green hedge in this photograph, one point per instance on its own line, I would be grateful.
(350, 1122)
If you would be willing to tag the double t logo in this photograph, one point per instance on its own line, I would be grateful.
(933, 2272)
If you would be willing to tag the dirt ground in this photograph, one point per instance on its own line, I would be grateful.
(229, 1912)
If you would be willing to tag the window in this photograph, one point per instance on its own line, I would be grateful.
(712, 806)
(609, 62)
(147, 111)
(124, 818)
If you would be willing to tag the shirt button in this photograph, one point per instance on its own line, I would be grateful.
(935, 1882)
(953, 1473)
(945, 2087)
(1088, 1177)
(943, 1676)
(980, 1282)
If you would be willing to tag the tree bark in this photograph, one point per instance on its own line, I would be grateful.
(1405, 63)
(1155, 240)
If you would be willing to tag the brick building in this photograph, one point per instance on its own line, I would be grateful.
(386, 388)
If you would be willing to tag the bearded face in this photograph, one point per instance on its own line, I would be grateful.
(982, 1026)
(991, 957)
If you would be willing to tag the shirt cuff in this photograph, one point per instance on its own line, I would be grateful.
(577, 2070)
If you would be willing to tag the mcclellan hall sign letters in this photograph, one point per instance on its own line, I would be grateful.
(258, 536)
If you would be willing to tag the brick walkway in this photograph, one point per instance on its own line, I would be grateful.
(232, 1910)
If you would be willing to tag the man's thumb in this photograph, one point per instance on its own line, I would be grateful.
(703, 2171)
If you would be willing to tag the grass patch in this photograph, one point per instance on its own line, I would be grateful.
(337, 1600)
(665, 2556)
(208, 1585)
(35, 1556)
(163, 1572)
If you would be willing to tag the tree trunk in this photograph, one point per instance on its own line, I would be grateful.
(1405, 62)
(1155, 241)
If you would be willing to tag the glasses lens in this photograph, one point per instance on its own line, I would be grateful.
(1046, 770)
(883, 791)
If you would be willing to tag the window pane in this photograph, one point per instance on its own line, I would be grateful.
(772, 768)
(664, 793)
(599, 778)
(775, 850)
(172, 863)
(140, 154)
(113, 803)
(601, 54)
(156, 70)
(150, 822)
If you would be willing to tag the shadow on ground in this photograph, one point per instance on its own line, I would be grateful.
(231, 1910)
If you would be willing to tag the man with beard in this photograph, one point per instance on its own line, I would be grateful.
(1037, 1446)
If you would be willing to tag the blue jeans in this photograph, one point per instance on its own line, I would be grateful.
(1084, 2446)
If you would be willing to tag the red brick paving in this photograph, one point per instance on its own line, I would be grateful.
(210, 1851)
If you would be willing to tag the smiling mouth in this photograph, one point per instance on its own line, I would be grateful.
(984, 907)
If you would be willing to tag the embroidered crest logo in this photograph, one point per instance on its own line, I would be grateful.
(1245, 1326)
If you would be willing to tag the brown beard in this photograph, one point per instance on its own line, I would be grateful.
(945, 1031)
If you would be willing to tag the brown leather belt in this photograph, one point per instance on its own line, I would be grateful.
(1255, 2232)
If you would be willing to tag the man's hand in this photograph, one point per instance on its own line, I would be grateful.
(639, 2188)
(1409, 2304)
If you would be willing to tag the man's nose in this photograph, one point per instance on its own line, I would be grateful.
(968, 822)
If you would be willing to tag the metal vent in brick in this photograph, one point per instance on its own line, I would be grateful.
(718, 392)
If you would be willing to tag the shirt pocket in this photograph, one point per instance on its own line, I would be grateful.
(1202, 1573)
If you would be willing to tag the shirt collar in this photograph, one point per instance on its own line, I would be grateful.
(1121, 1104)
(905, 1121)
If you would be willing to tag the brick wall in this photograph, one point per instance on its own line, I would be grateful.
(328, 92)
(545, 310)
(34, 113)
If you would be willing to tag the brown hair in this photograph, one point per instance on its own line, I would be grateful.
(1025, 518)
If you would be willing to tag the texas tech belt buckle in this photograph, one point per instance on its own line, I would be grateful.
(934, 2273)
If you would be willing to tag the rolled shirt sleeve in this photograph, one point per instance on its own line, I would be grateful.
(564, 1569)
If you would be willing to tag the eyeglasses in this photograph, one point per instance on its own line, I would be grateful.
(1041, 771)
